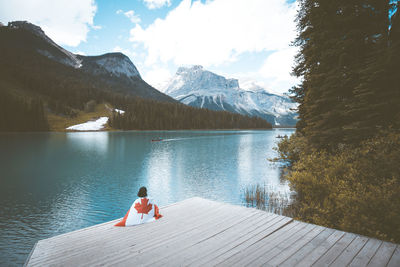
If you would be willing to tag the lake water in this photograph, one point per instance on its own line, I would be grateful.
(52, 183)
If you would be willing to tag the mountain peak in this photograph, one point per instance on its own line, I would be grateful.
(196, 78)
(23, 24)
(192, 68)
(113, 54)
(115, 63)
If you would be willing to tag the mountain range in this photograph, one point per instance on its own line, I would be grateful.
(197, 87)
(34, 67)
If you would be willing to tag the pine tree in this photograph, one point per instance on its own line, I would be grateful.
(367, 113)
(337, 40)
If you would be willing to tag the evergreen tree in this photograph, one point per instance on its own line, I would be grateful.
(368, 111)
(338, 40)
(21, 114)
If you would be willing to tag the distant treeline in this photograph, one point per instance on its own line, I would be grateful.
(19, 114)
(344, 157)
(152, 115)
(32, 84)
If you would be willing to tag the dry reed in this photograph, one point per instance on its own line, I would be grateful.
(267, 199)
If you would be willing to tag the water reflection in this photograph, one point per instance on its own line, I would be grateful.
(93, 141)
(245, 158)
(159, 170)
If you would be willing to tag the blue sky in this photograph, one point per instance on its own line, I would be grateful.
(244, 39)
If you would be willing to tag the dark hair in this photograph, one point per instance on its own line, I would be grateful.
(142, 192)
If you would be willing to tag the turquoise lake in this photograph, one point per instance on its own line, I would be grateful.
(53, 183)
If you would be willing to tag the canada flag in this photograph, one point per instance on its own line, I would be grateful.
(142, 210)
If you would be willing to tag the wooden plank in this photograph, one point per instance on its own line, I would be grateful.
(116, 234)
(337, 249)
(84, 233)
(244, 256)
(227, 251)
(268, 252)
(78, 246)
(106, 227)
(202, 246)
(206, 245)
(350, 252)
(314, 255)
(287, 252)
(80, 232)
(170, 235)
(395, 259)
(116, 245)
(383, 255)
(155, 253)
(218, 245)
(204, 226)
(93, 250)
(306, 249)
(102, 231)
(366, 253)
(199, 232)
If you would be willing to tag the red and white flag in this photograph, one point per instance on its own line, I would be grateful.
(142, 210)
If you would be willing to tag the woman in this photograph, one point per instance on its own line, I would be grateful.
(142, 210)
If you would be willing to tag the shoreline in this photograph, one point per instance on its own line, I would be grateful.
(176, 130)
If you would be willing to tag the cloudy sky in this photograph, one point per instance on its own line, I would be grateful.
(244, 39)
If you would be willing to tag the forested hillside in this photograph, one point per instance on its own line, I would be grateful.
(345, 153)
(143, 115)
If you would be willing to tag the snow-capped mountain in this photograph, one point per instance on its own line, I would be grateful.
(198, 87)
(111, 71)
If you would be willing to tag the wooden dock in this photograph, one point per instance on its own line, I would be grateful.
(200, 232)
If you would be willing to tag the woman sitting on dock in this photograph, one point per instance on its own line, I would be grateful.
(142, 210)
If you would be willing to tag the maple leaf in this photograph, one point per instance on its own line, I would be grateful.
(143, 207)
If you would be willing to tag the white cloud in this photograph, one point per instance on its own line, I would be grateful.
(157, 77)
(274, 75)
(67, 22)
(216, 32)
(154, 4)
(277, 69)
(130, 14)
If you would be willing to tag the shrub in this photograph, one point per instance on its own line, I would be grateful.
(355, 189)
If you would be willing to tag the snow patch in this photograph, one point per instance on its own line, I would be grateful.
(90, 125)
(119, 111)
